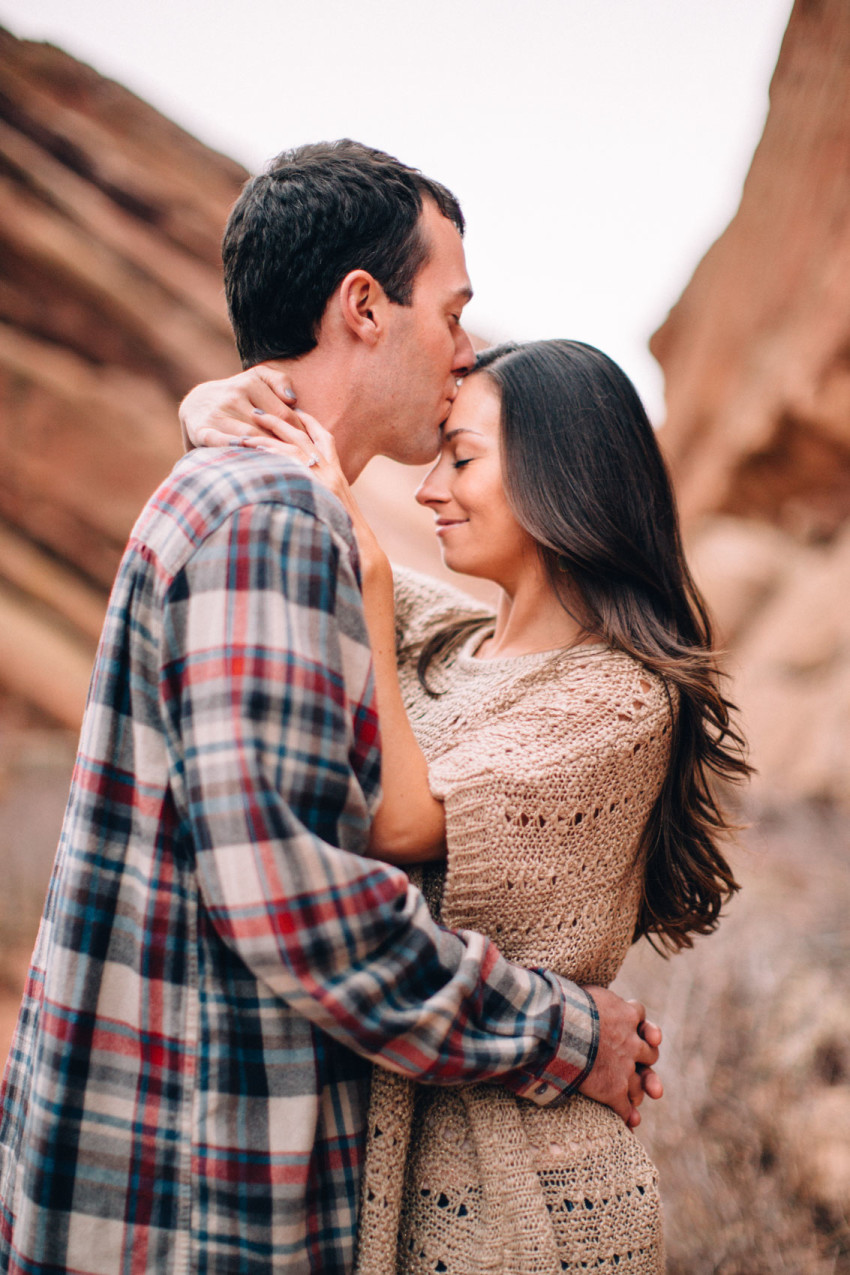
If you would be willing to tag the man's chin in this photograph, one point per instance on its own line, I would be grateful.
(429, 456)
(420, 455)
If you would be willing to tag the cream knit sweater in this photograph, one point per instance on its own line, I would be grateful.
(548, 766)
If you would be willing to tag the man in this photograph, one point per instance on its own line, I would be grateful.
(217, 964)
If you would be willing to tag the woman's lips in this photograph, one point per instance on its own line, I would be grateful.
(446, 524)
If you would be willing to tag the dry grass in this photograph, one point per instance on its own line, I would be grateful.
(753, 1135)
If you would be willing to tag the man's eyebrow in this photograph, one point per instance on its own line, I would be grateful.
(463, 294)
(461, 429)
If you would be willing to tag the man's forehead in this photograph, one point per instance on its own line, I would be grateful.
(445, 252)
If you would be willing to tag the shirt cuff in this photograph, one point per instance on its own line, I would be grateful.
(574, 1056)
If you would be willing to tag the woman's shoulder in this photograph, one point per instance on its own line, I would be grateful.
(614, 678)
(590, 698)
(423, 604)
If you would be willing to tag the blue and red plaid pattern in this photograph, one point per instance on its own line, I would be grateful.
(217, 963)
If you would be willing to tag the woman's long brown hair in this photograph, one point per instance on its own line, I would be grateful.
(584, 475)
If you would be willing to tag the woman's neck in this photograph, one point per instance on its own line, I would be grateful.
(531, 618)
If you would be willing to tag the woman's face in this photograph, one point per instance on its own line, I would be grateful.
(478, 533)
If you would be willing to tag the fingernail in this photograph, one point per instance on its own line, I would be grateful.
(290, 394)
(258, 411)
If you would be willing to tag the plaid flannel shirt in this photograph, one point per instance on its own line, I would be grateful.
(216, 963)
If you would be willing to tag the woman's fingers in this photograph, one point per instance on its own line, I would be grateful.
(210, 436)
(305, 431)
(315, 442)
(322, 439)
(278, 382)
(291, 432)
(274, 400)
(316, 430)
(308, 442)
(244, 404)
(325, 468)
(265, 443)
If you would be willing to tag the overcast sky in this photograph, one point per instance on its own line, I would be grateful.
(598, 146)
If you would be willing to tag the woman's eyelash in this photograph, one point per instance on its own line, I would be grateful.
(459, 464)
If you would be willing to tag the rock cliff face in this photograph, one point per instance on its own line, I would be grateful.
(110, 309)
(756, 354)
(756, 357)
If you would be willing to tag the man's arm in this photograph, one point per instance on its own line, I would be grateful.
(265, 675)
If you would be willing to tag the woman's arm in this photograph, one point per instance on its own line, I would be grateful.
(410, 823)
(409, 826)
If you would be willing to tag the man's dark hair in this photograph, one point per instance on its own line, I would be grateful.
(296, 231)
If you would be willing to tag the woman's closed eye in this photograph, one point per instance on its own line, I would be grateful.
(459, 464)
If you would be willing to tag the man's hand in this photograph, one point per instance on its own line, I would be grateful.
(628, 1047)
(253, 403)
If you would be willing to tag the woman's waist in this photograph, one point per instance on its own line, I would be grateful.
(488, 1123)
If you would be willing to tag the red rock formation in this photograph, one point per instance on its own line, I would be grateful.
(756, 354)
(110, 309)
(782, 613)
(756, 357)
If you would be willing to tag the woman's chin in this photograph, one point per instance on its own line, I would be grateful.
(452, 561)
(463, 566)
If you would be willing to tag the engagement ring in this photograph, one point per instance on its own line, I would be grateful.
(312, 460)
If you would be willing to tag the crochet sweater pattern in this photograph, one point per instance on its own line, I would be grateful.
(548, 765)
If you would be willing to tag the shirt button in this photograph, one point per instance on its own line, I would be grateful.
(541, 1089)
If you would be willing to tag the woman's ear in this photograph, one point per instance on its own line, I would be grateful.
(362, 302)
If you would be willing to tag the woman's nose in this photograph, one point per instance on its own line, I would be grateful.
(430, 491)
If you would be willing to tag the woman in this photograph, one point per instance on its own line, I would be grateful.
(554, 765)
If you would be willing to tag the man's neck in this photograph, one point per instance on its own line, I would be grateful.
(327, 389)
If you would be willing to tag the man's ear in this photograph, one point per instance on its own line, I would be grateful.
(362, 305)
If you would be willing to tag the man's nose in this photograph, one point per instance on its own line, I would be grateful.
(464, 359)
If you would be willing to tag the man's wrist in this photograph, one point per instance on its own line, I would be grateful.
(574, 1056)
